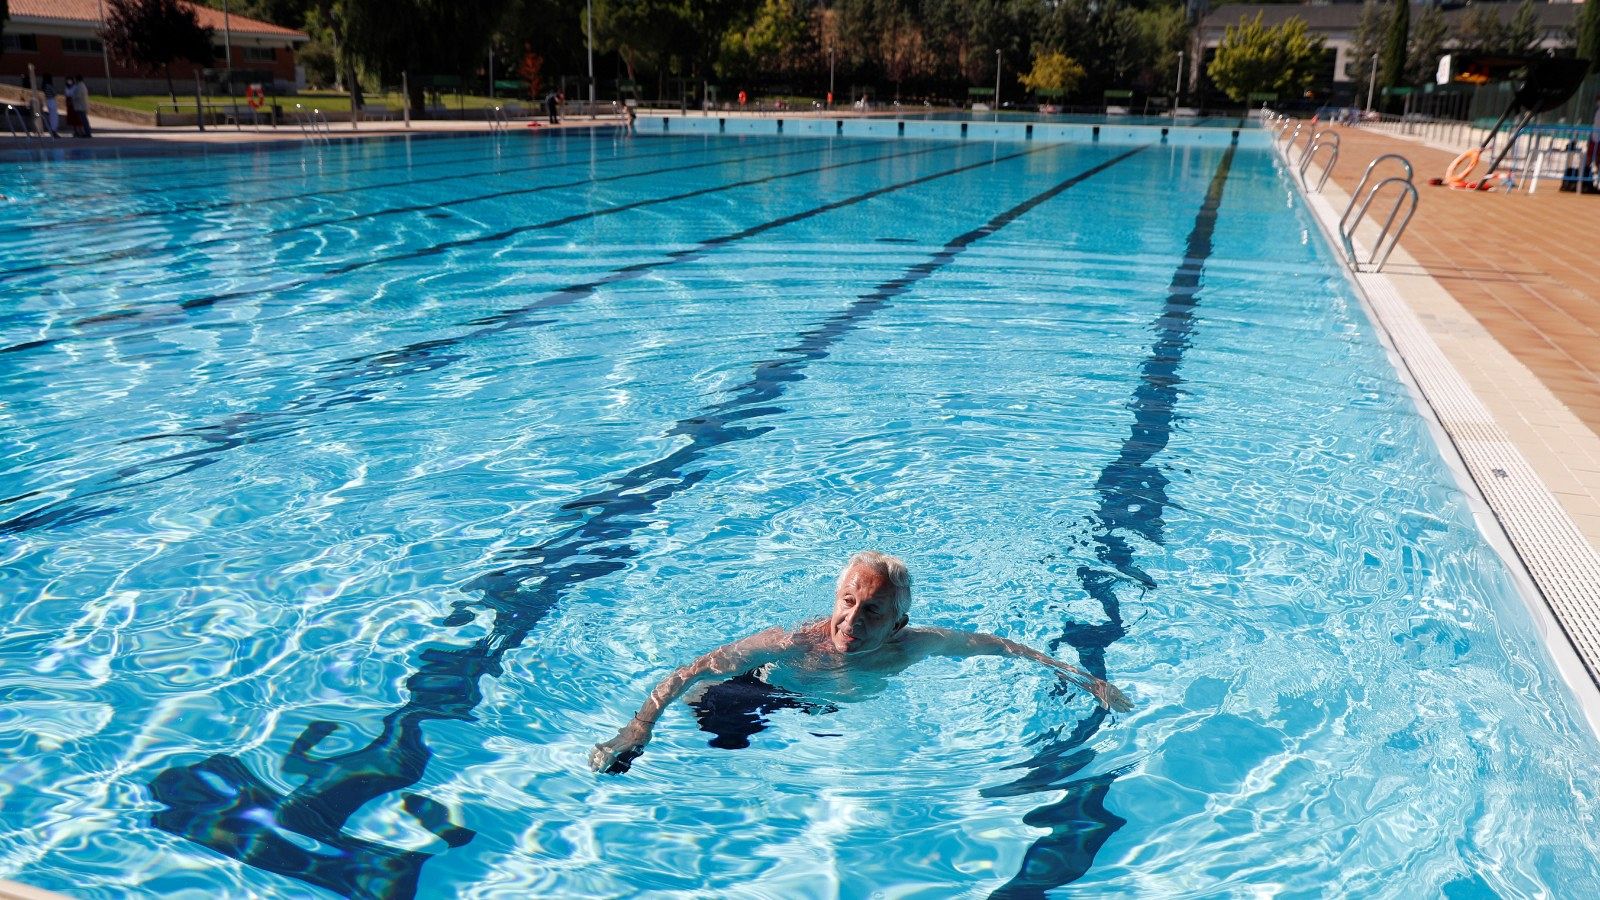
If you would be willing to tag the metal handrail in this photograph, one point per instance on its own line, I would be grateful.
(1407, 190)
(499, 122)
(21, 122)
(1367, 176)
(1329, 139)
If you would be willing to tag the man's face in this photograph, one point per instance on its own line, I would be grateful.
(864, 615)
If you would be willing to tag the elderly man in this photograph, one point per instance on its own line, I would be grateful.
(868, 631)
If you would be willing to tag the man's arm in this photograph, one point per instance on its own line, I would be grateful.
(949, 642)
(616, 755)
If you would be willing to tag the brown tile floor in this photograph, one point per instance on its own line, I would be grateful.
(1526, 267)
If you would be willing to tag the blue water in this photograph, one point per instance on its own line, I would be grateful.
(348, 495)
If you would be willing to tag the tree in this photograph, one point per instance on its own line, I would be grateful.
(1481, 30)
(1427, 45)
(1392, 68)
(153, 34)
(1053, 74)
(776, 41)
(1368, 44)
(1522, 35)
(1256, 58)
(1588, 28)
(420, 38)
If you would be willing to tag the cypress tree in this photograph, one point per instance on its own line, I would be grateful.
(1589, 34)
(1392, 64)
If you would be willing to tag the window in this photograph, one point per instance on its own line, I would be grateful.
(22, 43)
(85, 46)
(260, 54)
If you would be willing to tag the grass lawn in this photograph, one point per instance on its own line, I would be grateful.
(328, 101)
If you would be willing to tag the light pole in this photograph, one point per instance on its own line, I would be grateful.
(1177, 89)
(997, 83)
(830, 77)
(588, 37)
(227, 46)
(105, 55)
(1372, 82)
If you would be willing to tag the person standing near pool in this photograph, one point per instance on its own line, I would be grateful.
(869, 631)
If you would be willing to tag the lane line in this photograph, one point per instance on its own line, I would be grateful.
(1133, 497)
(220, 804)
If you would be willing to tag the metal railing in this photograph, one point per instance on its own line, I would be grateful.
(17, 122)
(1319, 140)
(499, 122)
(1406, 190)
(313, 124)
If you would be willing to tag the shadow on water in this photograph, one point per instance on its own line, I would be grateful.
(1133, 496)
(219, 803)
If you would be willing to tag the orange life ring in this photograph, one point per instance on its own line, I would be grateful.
(1461, 167)
(255, 96)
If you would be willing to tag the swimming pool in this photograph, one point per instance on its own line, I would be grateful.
(351, 494)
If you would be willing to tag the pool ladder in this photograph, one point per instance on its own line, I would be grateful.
(499, 121)
(313, 124)
(1406, 190)
(1319, 140)
(17, 122)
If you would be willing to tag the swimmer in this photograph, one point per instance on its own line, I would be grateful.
(869, 631)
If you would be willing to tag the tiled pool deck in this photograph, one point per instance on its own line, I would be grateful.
(1465, 332)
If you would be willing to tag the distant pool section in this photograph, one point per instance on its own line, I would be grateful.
(1109, 134)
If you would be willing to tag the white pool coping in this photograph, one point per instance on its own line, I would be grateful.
(10, 890)
(1556, 571)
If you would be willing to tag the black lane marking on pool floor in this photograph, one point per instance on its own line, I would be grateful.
(144, 252)
(432, 152)
(1133, 496)
(515, 165)
(355, 379)
(207, 302)
(220, 804)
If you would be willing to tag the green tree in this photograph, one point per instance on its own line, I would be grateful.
(776, 41)
(421, 38)
(1481, 30)
(1256, 58)
(1053, 74)
(1427, 45)
(1392, 66)
(1588, 28)
(153, 34)
(1522, 35)
(1368, 44)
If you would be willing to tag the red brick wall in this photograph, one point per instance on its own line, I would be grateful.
(51, 59)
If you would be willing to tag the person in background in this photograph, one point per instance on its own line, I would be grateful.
(71, 96)
(52, 113)
(869, 634)
(1591, 157)
(81, 87)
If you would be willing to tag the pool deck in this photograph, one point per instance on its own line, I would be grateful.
(1497, 332)
(1520, 315)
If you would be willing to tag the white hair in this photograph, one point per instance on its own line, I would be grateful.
(892, 568)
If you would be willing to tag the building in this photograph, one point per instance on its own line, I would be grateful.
(1336, 24)
(62, 37)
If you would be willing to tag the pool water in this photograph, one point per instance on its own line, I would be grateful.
(349, 495)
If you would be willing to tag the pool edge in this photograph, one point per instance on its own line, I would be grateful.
(1555, 569)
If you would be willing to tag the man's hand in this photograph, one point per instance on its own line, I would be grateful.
(1110, 696)
(617, 755)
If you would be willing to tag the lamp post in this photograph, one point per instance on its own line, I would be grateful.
(588, 37)
(227, 46)
(105, 55)
(1177, 89)
(830, 77)
(1372, 82)
(997, 83)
